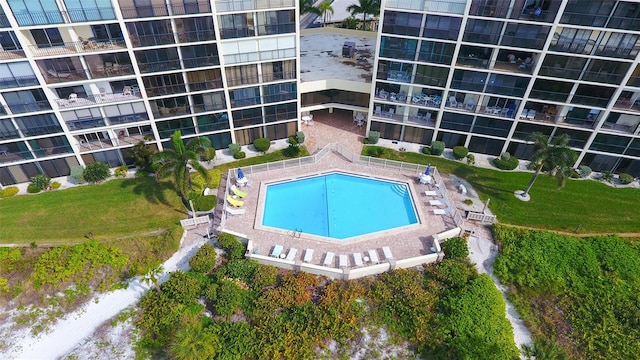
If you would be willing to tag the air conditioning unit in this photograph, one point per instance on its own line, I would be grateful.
(348, 49)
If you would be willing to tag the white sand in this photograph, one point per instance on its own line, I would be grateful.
(82, 323)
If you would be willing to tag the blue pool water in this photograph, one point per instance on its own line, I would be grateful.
(338, 206)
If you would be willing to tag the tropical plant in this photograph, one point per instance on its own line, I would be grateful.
(291, 151)
(152, 276)
(178, 162)
(96, 172)
(584, 171)
(300, 137)
(326, 10)
(262, 144)
(606, 176)
(625, 178)
(234, 148)
(306, 7)
(77, 174)
(142, 156)
(204, 260)
(373, 137)
(365, 7)
(42, 181)
(350, 23)
(437, 148)
(460, 152)
(195, 342)
(9, 191)
(554, 157)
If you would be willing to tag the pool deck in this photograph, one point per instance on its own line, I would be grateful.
(411, 241)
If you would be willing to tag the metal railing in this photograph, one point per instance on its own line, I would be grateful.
(235, 5)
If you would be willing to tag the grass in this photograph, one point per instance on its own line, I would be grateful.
(597, 207)
(117, 208)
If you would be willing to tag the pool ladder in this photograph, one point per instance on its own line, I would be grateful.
(296, 233)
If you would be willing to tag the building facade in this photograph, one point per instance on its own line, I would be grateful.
(487, 73)
(83, 81)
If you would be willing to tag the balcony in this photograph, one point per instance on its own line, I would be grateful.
(626, 103)
(82, 124)
(548, 95)
(234, 5)
(153, 40)
(602, 77)
(9, 155)
(90, 100)
(560, 72)
(165, 90)
(40, 105)
(620, 128)
(144, 11)
(205, 85)
(196, 36)
(75, 47)
(128, 118)
(166, 65)
(11, 54)
(92, 145)
(201, 61)
(102, 71)
(590, 100)
(163, 112)
(55, 76)
(18, 81)
(191, 8)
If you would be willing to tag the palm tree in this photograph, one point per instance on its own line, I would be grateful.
(179, 160)
(306, 7)
(365, 7)
(152, 276)
(554, 157)
(194, 342)
(326, 10)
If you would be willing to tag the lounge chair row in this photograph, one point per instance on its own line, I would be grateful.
(358, 258)
(277, 252)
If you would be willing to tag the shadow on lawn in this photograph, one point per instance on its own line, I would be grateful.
(152, 190)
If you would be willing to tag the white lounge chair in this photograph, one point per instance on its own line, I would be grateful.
(277, 250)
(208, 192)
(441, 211)
(531, 114)
(234, 211)
(435, 203)
(432, 193)
(357, 259)
(463, 189)
(328, 259)
(343, 261)
(291, 254)
(373, 256)
(387, 252)
(308, 255)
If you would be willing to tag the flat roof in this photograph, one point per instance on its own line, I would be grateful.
(321, 55)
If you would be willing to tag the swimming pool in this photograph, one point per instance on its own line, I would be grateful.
(338, 205)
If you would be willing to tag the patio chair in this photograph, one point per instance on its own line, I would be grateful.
(237, 192)
(73, 97)
(531, 114)
(436, 203)
(416, 99)
(328, 259)
(208, 192)
(308, 255)
(432, 193)
(453, 102)
(357, 259)
(235, 211)
(277, 250)
(127, 90)
(373, 256)
(378, 111)
(442, 211)
(390, 112)
(342, 260)
(387, 252)
(291, 254)
(234, 202)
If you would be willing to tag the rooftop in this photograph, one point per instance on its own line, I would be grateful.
(321, 55)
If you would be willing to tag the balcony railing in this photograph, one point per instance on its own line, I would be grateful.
(42, 130)
(84, 145)
(467, 85)
(627, 104)
(89, 100)
(144, 11)
(153, 40)
(195, 36)
(514, 67)
(245, 80)
(277, 76)
(560, 72)
(39, 18)
(590, 100)
(9, 134)
(548, 95)
(113, 70)
(205, 85)
(36, 17)
(163, 112)
(624, 128)
(9, 156)
(129, 118)
(4, 22)
(18, 81)
(524, 41)
(212, 60)
(11, 54)
(617, 52)
(260, 56)
(446, 7)
(190, 8)
(40, 105)
(166, 65)
(575, 18)
(165, 90)
(602, 77)
(57, 76)
(82, 124)
(200, 108)
(75, 47)
(235, 5)
(488, 10)
(91, 14)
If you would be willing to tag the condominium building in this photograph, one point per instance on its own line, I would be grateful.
(83, 81)
(487, 73)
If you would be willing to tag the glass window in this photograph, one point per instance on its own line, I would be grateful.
(279, 92)
(442, 27)
(276, 22)
(451, 139)
(17, 74)
(402, 23)
(158, 60)
(483, 145)
(507, 85)
(588, 13)
(469, 80)
(38, 124)
(568, 67)
(236, 26)
(280, 112)
(200, 55)
(482, 31)
(245, 97)
(453, 121)
(619, 45)
(45, 38)
(626, 16)
(489, 126)
(9, 42)
(524, 35)
(213, 122)
(150, 33)
(435, 52)
(242, 75)
(26, 101)
(36, 12)
(195, 29)
(578, 41)
(220, 141)
(431, 75)
(398, 48)
(247, 117)
(87, 10)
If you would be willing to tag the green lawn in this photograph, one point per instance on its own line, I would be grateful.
(598, 207)
(117, 208)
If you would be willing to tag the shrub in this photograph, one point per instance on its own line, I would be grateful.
(437, 148)
(262, 144)
(510, 164)
(468, 201)
(471, 159)
(96, 172)
(365, 141)
(33, 189)
(607, 176)
(373, 137)
(41, 181)
(426, 150)
(505, 156)
(77, 175)
(121, 171)
(142, 173)
(234, 148)
(460, 152)
(625, 178)
(300, 137)
(204, 203)
(208, 154)
(584, 171)
(9, 191)
(204, 260)
(233, 248)
(55, 185)
(239, 155)
(291, 151)
(293, 140)
(455, 248)
(374, 151)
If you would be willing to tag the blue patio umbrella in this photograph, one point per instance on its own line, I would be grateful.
(240, 174)
(428, 171)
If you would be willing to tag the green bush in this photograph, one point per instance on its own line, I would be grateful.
(121, 171)
(373, 137)
(96, 172)
(262, 144)
(460, 152)
(471, 159)
(374, 151)
(293, 140)
(55, 185)
(291, 151)
(77, 175)
(42, 181)
(208, 154)
(300, 137)
(426, 150)
(606, 176)
(204, 261)
(239, 155)
(625, 178)
(33, 189)
(510, 164)
(204, 203)
(437, 148)
(505, 156)
(455, 248)
(233, 248)
(234, 148)
(9, 191)
(584, 171)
